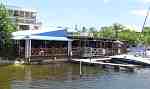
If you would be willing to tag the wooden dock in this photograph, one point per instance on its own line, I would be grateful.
(105, 64)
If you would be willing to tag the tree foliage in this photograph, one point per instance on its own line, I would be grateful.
(129, 35)
(145, 36)
(6, 27)
(117, 28)
(106, 32)
(120, 32)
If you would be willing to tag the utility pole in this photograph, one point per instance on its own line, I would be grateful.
(145, 20)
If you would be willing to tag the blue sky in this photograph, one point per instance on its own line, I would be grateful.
(88, 13)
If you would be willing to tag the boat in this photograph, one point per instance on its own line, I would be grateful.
(131, 59)
(142, 59)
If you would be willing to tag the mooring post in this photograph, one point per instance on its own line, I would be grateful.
(80, 67)
(117, 68)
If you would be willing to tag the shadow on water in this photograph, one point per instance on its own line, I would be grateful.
(61, 76)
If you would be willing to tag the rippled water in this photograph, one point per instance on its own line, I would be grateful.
(66, 76)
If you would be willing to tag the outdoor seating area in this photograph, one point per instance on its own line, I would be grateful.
(59, 50)
(58, 44)
(96, 47)
(48, 52)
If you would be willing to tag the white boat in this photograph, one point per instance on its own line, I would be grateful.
(131, 59)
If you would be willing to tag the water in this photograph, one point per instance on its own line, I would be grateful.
(66, 76)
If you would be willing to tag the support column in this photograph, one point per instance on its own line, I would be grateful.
(28, 49)
(119, 46)
(70, 50)
(18, 44)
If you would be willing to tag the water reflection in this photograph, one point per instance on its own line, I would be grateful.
(33, 75)
(66, 76)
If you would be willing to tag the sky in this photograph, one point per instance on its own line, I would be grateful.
(89, 13)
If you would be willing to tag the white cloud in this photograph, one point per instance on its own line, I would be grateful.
(139, 12)
(145, 1)
(106, 1)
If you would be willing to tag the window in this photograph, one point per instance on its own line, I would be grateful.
(24, 27)
(16, 13)
(21, 13)
(27, 14)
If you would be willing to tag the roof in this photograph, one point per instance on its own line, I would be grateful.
(31, 32)
(41, 38)
(59, 34)
(21, 8)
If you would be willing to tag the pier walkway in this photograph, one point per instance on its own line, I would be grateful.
(102, 62)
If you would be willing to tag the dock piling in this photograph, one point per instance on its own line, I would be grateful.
(116, 68)
(80, 67)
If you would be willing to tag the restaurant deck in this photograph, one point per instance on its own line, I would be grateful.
(59, 44)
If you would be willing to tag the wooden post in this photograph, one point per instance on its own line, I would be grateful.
(117, 68)
(80, 67)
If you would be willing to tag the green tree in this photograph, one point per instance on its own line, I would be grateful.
(145, 36)
(116, 27)
(118, 31)
(106, 32)
(93, 31)
(6, 28)
(129, 35)
(84, 29)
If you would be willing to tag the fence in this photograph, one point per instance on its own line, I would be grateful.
(76, 52)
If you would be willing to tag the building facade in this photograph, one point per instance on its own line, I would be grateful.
(24, 18)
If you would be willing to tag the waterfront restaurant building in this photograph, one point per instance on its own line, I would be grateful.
(24, 18)
(58, 43)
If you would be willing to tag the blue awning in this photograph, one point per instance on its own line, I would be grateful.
(58, 35)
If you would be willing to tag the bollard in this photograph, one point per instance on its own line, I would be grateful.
(117, 68)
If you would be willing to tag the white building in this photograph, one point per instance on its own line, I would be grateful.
(24, 18)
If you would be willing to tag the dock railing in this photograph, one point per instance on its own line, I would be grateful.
(93, 52)
(76, 52)
(49, 52)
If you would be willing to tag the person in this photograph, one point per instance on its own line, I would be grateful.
(41, 53)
